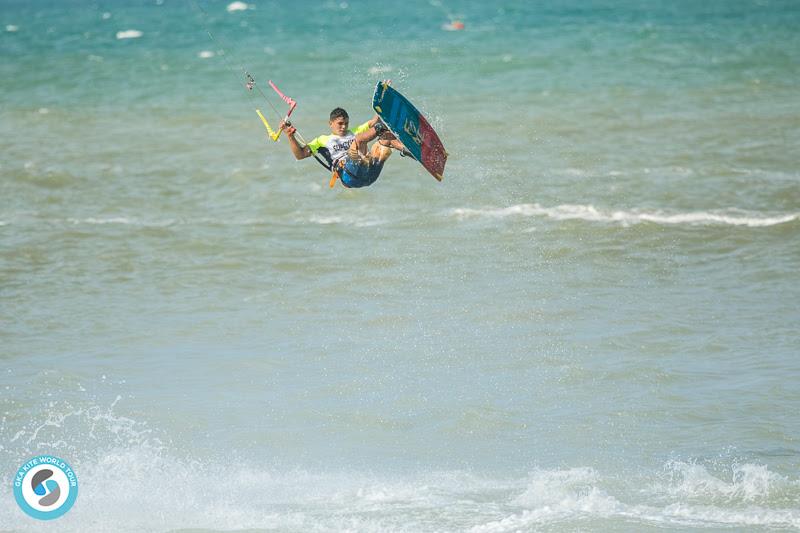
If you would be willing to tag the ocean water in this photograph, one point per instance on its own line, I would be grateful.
(590, 325)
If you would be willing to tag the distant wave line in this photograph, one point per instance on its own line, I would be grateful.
(733, 217)
(346, 219)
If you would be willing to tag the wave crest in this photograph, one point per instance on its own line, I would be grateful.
(731, 217)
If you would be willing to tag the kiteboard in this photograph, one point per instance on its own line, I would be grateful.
(413, 129)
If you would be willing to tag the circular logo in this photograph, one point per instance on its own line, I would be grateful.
(45, 487)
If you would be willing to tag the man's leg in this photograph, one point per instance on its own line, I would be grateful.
(388, 141)
(358, 152)
(380, 151)
(365, 137)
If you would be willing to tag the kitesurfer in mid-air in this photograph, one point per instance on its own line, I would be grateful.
(345, 150)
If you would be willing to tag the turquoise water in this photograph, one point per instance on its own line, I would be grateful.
(589, 325)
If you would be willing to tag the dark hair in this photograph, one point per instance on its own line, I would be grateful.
(339, 113)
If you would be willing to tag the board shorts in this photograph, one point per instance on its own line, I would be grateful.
(360, 174)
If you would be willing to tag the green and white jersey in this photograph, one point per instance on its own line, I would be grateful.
(334, 147)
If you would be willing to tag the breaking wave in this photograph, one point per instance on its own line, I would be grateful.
(731, 217)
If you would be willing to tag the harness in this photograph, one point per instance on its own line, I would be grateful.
(336, 173)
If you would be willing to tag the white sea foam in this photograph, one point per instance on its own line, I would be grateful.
(11, 28)
(745, 483)
(547, 487)
(125, 221)
(577, 494)
(675, 517)
(380, 69)
(732, 217)
(700, 515)
(92, 220)
(346, 220)
(205, 54)
(114, 454)
(166, 222)
(129, 34)
(237, 6)
(245, 493)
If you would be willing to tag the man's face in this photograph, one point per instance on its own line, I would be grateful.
(339, 126)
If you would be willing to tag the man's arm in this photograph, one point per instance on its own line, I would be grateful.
(299, 151)
(369, 133)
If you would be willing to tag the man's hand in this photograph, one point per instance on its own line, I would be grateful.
(288, 128)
